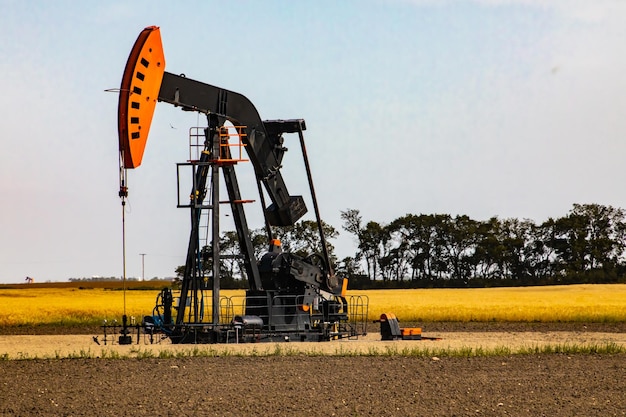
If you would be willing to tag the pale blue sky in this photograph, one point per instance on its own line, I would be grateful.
(514, 108)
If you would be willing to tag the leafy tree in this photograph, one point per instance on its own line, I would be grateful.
(457, 239)
(542, 256)
(504, 248)
(516, 237)
(352, 221)
(488, 258)
(416, 244)
(373, 242)
(370, 240)
(348, 267)
(605, 232)
(303, 237)
(590, 238)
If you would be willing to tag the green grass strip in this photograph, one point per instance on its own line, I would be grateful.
(278, 350)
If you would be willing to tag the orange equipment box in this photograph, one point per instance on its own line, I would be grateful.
(411, 333)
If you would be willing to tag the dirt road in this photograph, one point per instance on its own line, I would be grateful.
(64, 346)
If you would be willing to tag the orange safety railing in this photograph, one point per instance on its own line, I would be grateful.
(231, 144)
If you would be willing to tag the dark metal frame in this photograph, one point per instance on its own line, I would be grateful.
(290, 298)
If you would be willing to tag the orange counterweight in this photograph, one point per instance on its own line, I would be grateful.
(139, 92)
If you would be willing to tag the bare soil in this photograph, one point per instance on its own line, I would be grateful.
(316, 385)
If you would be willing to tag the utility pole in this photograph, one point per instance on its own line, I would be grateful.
(143, 277)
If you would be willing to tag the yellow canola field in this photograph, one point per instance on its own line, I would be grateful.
(564, 303)
(573, 303)
(73, 306)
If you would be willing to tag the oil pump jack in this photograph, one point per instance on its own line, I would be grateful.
(290, 297)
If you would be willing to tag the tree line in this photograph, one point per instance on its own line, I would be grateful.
(587, 245)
